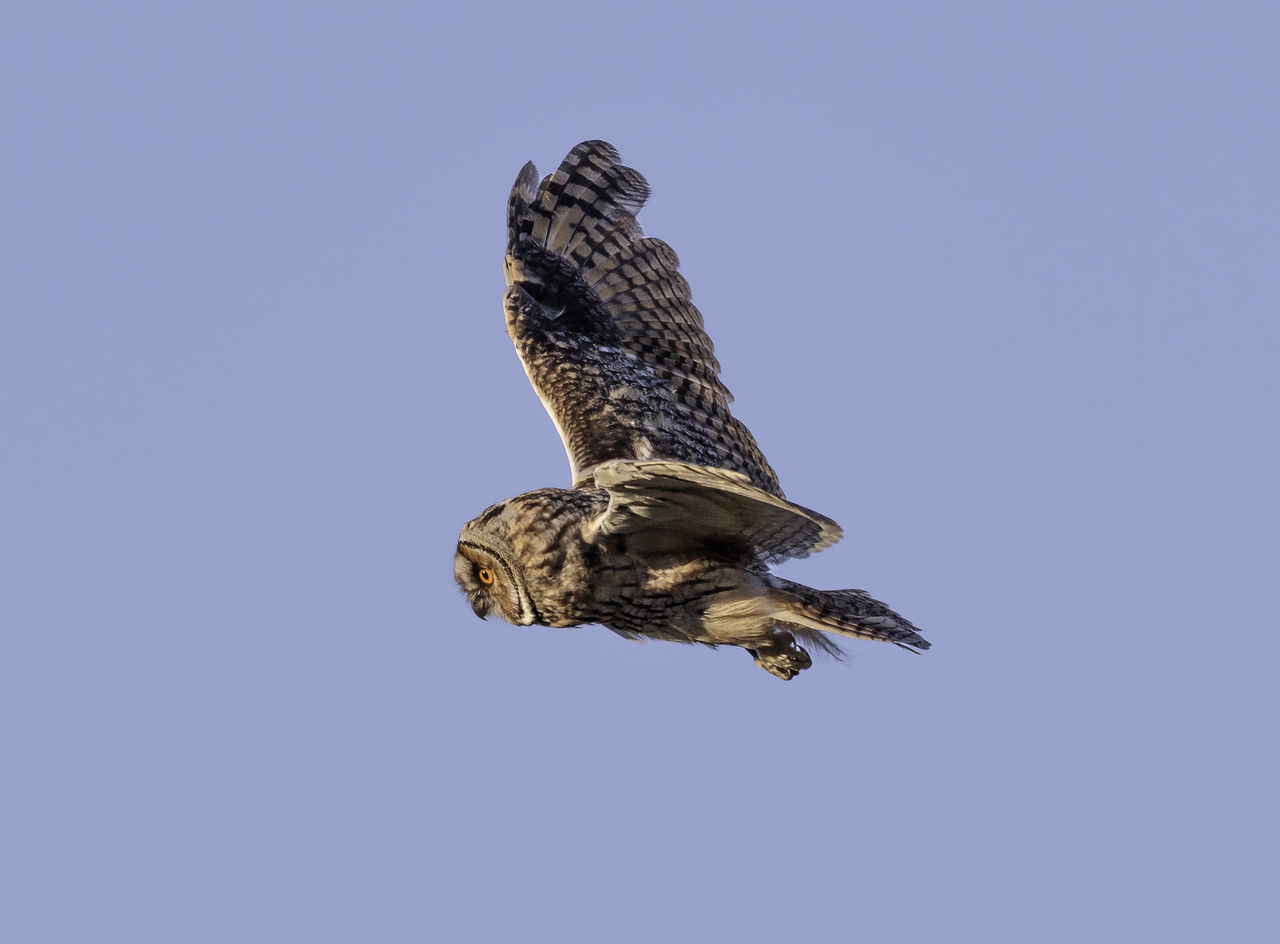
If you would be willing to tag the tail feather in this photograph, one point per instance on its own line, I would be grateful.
(853, 613)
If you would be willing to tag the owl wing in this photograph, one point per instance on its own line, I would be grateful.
(603, 323)
(669, 505)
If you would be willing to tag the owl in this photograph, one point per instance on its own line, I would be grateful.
(674, 516)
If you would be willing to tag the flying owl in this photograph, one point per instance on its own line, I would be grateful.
(674, 516)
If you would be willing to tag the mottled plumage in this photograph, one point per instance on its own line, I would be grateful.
(674, 513)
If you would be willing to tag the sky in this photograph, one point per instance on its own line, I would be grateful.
(995, 286)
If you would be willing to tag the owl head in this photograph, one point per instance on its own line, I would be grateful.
(487, 571)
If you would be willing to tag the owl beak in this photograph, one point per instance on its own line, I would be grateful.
(480, 609)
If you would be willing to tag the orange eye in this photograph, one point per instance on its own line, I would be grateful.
(485, 575)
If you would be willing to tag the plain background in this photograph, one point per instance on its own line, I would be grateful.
(995, 285)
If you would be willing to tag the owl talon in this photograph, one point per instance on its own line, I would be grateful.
(785, 660)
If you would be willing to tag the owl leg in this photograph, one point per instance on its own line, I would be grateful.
(781, 656)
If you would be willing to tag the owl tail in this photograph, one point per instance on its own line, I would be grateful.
(843, 612)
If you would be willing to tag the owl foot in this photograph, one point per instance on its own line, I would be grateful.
(782, 658)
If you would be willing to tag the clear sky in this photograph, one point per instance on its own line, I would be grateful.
(995, 286)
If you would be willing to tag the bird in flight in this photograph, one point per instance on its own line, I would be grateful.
(673, 515)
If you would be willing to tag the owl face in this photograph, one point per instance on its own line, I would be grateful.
(492, 582)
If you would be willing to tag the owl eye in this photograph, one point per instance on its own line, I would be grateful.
(485, 575)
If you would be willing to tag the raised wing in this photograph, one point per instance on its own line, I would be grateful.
(605, 328)
(671, 505)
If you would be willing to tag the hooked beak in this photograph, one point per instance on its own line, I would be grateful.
(480, 609)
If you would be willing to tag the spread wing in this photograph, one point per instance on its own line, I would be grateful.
(605, 328)
(669, 505)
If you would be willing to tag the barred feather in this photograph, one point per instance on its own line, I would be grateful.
(605, 326)
(853, 613)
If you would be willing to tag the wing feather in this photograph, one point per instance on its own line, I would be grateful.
(604, 324)
(673, 505)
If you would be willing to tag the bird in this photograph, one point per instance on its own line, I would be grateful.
(673, 516)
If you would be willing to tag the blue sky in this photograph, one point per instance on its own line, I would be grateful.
(995, 286)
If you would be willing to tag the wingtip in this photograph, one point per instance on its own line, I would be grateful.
(596, 146)
(523, 192)
(526, 185)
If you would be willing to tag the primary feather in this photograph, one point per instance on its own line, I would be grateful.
(643, 381)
